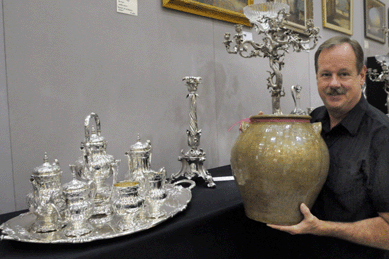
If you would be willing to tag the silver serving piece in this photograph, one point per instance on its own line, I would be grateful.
(296, 94)
(96, 165)
(127, 203)
(156, 193)
(269, 20)
(193, 160)
(383, 76)
(139, 160)
(46, 201)
(79, 206)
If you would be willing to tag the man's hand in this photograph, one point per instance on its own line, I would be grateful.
(309, 225)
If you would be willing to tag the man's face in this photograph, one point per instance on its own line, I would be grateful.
(338, 80)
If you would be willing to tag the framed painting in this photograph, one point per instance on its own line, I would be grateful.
(225, 10)
(299, 12)
(375, 19)
(338, 15)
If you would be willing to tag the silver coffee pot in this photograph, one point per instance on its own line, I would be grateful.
(46, 200)
(139, 160)
(96, 165)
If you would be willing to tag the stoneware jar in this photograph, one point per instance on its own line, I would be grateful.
(279, 162)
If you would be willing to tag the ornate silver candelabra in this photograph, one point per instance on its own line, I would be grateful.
(381, 77)
(193, 160)
(269, 19)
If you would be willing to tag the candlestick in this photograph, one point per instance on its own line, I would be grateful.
(192, 162)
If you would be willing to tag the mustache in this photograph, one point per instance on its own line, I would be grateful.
(335, 91)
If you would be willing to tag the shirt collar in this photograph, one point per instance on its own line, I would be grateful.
(351, 122)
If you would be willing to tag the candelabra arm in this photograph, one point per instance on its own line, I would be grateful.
(276, 42)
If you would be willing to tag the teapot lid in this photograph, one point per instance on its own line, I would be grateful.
(75, 186)
(46, 168)
(139, 147)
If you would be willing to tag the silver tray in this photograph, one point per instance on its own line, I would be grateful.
(17, 228)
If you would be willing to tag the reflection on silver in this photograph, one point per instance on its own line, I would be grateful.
(193, 160)
(269, 20)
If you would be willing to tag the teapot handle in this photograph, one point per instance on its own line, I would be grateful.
(86, 125)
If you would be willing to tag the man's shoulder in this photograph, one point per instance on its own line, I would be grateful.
(377, 117)
(318, 113)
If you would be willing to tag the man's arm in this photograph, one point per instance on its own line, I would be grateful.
(372, 232)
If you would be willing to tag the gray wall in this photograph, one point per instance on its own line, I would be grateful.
(61, 60)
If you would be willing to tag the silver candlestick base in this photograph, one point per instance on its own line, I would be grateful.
(193, 160)
(193, 165)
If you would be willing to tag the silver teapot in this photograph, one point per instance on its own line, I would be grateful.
(96, 165)
(46, 200)
(79, 206)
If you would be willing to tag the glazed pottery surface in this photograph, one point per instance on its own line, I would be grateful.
(279, 162)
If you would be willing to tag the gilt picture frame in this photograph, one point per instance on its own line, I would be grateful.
(225, 10)
(338, 15)
(375, 20)
(300, 11)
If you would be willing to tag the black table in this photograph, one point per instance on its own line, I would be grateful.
(213, 226)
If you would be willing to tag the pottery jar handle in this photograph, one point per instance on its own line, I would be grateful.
(317, 127)
(244, 126)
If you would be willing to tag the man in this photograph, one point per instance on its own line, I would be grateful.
(350, 218)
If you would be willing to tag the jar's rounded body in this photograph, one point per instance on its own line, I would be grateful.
(278, 163)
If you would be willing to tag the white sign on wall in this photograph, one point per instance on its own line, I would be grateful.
(127, 7)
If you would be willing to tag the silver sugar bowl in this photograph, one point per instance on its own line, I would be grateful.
(96, 165)
(139, 160)
(127, 203)
(79, 200)
(46, 200)
(156, 193)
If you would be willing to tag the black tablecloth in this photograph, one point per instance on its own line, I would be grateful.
(212, 226)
